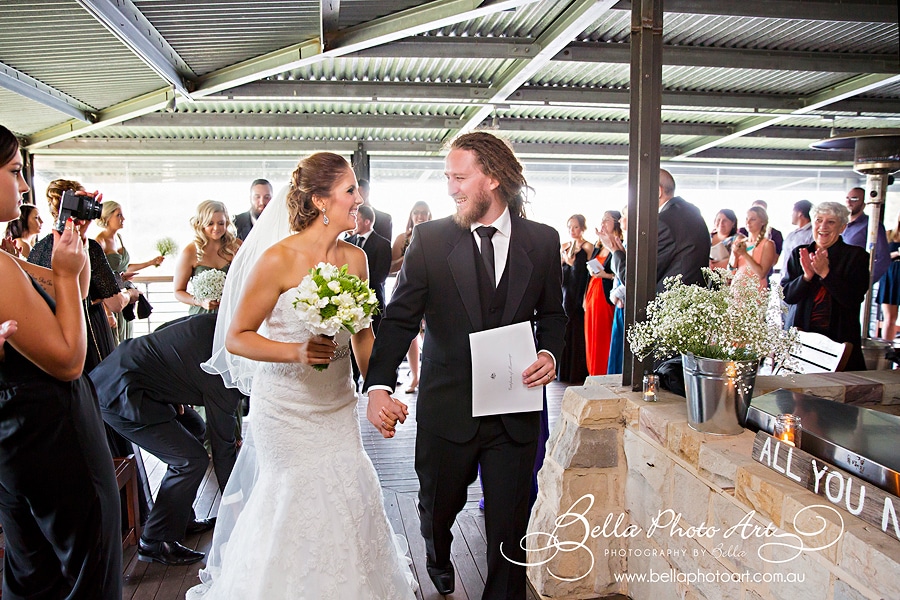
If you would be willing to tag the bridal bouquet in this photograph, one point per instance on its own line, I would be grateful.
(330, 298)
(208, 285)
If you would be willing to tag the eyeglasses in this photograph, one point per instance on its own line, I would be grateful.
(853, 198)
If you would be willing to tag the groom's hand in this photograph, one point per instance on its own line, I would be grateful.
(385, 412)
(540, 372)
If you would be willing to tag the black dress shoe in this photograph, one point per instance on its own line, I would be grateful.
(443, 579)
(200, 525)
(171, 554)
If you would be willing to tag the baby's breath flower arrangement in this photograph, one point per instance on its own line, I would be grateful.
(730, 319)
(208, 285)
(330, 298)
(166, 246)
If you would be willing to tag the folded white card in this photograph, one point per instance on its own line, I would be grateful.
(595, 267)
(499, 356)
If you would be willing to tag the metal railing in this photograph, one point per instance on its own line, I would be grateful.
(160, 292)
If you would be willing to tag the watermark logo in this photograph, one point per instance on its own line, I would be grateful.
(573, 529)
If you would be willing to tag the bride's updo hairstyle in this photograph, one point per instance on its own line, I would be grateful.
(316, 175)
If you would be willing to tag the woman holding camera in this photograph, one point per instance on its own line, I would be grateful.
(59, 503)
(213, 248)
(104, 292)
(755, 253)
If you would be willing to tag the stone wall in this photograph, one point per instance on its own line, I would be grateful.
(628, 489)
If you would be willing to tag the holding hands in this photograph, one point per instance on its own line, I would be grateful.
(385, 412)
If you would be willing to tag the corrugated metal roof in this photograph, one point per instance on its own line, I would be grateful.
(576, 104)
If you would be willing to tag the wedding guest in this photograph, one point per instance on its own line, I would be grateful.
(213, 247)
(420, 213)
(383, 224)
(146, 389)
(772, 234)
(857, 232)
(614, 239)
(23, 231)
(111, 222)
(572, 365)
(104, 293)
(599, 311)
(827, 281)
(721, 238)
(889, 287)
(682, 239)
(801, 236)
(755, 253)
(260, 196)
(59, 503)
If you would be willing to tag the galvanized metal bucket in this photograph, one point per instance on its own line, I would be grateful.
(718, 393)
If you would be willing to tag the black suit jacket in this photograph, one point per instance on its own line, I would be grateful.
(683, 246)
(243, 224)
(847, 284)
(383, 224)
(438, 280)
(378, 255)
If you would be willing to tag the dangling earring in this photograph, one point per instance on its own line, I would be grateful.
(324, 216)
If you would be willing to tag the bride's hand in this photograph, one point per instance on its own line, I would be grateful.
(385, 412)
(318, 350)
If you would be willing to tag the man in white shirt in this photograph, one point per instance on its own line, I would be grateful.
(802, 236)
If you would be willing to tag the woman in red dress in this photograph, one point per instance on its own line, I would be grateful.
(598, 311)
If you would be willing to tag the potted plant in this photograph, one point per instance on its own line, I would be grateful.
(722, 332)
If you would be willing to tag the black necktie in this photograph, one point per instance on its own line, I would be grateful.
(361, 241)
(487, 250)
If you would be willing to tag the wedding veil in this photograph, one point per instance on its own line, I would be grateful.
(237, 372)
(272, 226)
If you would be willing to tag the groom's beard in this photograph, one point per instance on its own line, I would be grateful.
(479, 207)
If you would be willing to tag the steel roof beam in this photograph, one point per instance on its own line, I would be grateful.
(847, 89)
(331, 13)
(23, 85)
(823, 10)
(410, 22)
(286, 120)
(125, 21)
(404, 92)
(579, 15)
(736, 58)
(162, 147)
(457, 47)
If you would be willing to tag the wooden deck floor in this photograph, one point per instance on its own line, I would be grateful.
(393, 460)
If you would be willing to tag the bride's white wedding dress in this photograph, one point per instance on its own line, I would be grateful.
(314, 527)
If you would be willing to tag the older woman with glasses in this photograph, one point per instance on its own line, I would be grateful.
(827, 281)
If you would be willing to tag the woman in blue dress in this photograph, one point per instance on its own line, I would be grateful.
(889, 288)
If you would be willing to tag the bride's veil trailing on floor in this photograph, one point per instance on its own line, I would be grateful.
(237, 372)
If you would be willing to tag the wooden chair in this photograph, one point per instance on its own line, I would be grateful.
(816, 353)
(126, 478)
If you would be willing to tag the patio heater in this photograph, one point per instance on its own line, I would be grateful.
(876, 155)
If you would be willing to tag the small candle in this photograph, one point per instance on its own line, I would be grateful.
(788, 429)
(650, 383)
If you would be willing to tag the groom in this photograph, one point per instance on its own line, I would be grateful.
(485, 267)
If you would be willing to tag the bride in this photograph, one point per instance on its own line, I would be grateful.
(314, 526)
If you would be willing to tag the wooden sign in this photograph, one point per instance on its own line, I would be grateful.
(860, 498)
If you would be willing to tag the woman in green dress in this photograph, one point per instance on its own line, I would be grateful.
(214, 247)
(112, 221)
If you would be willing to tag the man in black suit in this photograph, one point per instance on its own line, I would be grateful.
(144, 388)
(260, 196)
(378, 255)
(485, 267)
(383, 223)
(683, 247)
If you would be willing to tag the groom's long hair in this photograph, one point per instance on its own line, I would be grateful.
(496, 159)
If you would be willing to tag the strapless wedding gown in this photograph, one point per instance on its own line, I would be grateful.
(314, 526)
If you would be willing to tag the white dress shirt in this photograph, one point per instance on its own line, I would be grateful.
(500, 240)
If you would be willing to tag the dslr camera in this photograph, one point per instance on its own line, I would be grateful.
(80, 208)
